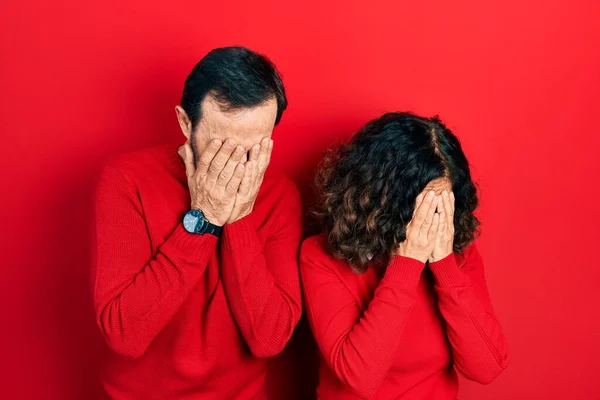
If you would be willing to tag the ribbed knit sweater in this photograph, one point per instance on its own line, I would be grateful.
(191, 316)
(401, 331)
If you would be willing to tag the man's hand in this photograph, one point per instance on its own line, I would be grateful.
(215, 181)
(444, 240)
(260, 156)
(421, 230)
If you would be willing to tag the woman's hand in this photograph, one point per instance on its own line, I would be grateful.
(444, 240)
(421, 230)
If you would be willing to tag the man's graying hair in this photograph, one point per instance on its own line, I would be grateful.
(237, 78)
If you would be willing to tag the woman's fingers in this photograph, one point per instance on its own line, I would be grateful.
(423, 209)
(433, 229)
(418, 202)
(447, 207)
(426, 216)
(443, 224)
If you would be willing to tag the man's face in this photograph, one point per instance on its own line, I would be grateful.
(246, 126)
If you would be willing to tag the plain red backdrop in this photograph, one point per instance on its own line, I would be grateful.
(518, 81)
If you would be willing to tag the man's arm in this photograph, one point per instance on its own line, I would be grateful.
(136, 293)
(261, 279)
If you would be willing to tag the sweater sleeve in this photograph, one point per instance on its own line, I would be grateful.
(136, 292)
(261, 280)
(358, 347)
(478, 344)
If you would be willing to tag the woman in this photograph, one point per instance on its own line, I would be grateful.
(394, 287)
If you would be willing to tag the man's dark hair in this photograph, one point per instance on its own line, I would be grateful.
(369, 186)
(237, 78)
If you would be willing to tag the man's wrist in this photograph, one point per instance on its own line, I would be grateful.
(208, 216)
(194, 221)
(214, 221)
(239, 236)
(238, 217)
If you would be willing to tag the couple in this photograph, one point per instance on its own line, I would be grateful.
(199, 278)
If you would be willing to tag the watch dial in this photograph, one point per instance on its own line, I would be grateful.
(201, 225)
(189, 222)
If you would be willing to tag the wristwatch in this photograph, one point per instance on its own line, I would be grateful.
(195, 222)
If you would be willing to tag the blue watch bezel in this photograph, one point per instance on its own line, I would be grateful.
(202, 224)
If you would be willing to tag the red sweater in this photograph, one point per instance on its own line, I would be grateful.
(191, 316)
(397, 333)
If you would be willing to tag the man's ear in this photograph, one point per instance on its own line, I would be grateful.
(184, 122)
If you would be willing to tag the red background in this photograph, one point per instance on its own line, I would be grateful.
(518, 81)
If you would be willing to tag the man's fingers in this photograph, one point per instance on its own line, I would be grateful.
(263, 168)
(270, 152)
(246, 183)
(264, 154)
(207, 156)
(220, 160)
(185, 152)
(234, 160)
(234, 184)
(254, 153)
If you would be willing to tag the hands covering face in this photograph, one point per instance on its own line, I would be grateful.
(221, 184)
(429, 234)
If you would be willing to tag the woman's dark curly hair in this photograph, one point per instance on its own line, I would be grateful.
(368, 187)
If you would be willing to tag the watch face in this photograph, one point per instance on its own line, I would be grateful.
(194, 221)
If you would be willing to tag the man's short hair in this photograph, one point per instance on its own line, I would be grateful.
(237, 78)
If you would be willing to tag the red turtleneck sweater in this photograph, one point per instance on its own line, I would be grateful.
(400, 332)
(191, 316)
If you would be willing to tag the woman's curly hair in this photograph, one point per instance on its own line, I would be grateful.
(368, 187)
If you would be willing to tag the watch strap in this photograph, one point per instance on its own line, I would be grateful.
(212, 229)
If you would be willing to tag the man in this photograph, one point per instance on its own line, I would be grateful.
(196, 279)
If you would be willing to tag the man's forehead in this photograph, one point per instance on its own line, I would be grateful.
(247, 126)
(246, 138)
